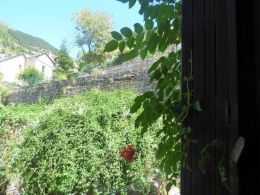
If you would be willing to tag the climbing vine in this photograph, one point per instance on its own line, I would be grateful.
(160, 34)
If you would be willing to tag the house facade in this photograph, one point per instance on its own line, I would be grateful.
(11, 67)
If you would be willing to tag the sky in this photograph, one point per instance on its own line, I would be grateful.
(52, 21)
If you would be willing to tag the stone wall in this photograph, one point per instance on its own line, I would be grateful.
(133, 76)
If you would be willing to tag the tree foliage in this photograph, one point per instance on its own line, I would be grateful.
(161, 30)
(65, 68)
(93, 31)
(31, 76)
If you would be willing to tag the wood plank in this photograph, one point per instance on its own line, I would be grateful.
(221, 91)
(198, 131)
(186, 178)
(214, 59)
(232, 89)
(210, 94)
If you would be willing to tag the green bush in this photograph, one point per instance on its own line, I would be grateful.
(31, 76)
(12, 120)
(73, 145)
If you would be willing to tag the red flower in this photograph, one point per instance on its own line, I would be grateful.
(128, 153)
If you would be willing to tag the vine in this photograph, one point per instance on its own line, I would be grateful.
(160, 34)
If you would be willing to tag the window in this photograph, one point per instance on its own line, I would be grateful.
(43, 69)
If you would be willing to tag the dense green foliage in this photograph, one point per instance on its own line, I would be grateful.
(31, 76)
(65, 68)
(73, 146)
(14, 42)
(5, 90)
(13, 119)
(161, 30)
(93, 31)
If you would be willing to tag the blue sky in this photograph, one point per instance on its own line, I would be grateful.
(52, 19)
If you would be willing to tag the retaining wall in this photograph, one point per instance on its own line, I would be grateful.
(133, 76)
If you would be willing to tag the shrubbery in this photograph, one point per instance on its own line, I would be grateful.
(73, 146)
(31, 76)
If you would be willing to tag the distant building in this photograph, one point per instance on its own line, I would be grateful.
(11, 67)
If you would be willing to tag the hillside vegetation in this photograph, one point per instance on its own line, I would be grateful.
(73, 145)
(14, 42)
(8, 44)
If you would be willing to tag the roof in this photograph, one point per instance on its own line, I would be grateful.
(46, 55)
(26, 56)
(12, 57)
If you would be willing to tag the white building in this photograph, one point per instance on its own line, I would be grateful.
(11, 67)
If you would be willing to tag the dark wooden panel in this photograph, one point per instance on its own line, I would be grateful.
(209, 32)
(186, 177)
(232, 89)
(221, 90)
(198, 66)
(209, 108)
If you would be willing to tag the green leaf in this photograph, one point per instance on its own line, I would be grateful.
(161, 151)
(111, 46)
(131, 3)
(138, 28)
(132, 54)
(168, 187)
(197, 106)
(116, 35)
(156, 64)
(130, 42)
(123, 1)
(162, 44)
(121, 46)
(143, 53)
(144, 5)
(139, 38)
(148, 94)
(153, 43)
(149, 24)
(127, 32)
(137, 103)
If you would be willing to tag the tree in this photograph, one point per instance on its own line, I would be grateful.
(93, 31)
(65, 67)
(31, 76)
(161, 30)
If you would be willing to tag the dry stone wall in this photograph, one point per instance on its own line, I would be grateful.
(132, 76)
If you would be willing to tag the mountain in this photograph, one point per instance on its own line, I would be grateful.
(14, 42)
